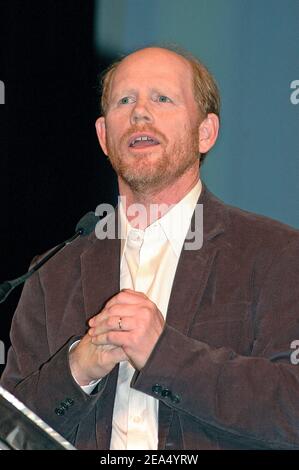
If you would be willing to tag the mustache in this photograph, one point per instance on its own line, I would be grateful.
(144, 129)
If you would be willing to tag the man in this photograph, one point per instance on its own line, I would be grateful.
(140, 343)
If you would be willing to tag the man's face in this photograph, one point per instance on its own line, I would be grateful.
(152, 98)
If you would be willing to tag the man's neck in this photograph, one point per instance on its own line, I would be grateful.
(163, 198)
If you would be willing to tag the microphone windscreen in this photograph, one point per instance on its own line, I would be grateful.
(87, 224)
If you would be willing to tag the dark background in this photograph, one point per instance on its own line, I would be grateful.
(52, 170)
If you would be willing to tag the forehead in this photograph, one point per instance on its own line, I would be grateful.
(152, 67)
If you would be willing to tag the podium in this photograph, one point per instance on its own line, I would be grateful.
(21, 429)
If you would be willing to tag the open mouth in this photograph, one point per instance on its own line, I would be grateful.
(142, 141)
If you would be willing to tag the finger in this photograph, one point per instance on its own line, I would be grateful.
(117, 310)
(114, 323)
(100, 322)
(99, 318)
(112, 310)
(123, 310)
(132, 291)
(116, 338)
(126, 296)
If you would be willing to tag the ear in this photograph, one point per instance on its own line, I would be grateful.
(208, 132)
(101, 133)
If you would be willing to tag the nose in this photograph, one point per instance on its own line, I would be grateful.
(141, 113)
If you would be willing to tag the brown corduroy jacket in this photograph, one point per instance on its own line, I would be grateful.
(221, 368)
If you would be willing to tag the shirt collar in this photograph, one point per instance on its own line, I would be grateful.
(175, 223)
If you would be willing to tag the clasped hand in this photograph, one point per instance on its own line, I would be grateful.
(129, 320)
(127, 329)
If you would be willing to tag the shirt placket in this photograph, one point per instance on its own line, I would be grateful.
(138, 431)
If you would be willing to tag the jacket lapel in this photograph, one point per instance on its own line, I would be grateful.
(100, 271)
(194, 267)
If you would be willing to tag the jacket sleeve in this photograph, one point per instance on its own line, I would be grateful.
(41, 380)
(251, 399)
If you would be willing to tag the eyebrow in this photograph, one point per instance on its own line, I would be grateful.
(123, 93)
(132, 91)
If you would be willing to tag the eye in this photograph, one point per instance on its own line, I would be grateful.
(126, 100)
(164, 99)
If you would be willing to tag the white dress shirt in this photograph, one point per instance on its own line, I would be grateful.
(148, 264)
(149, 260)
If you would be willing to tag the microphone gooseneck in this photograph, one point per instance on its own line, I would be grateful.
(83, 228)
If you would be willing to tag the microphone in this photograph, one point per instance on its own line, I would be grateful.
(83, 228)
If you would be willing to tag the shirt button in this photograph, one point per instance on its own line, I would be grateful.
(175, 399)
(69, 401)
(166, 392)
(59, 411)
(157, 389)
